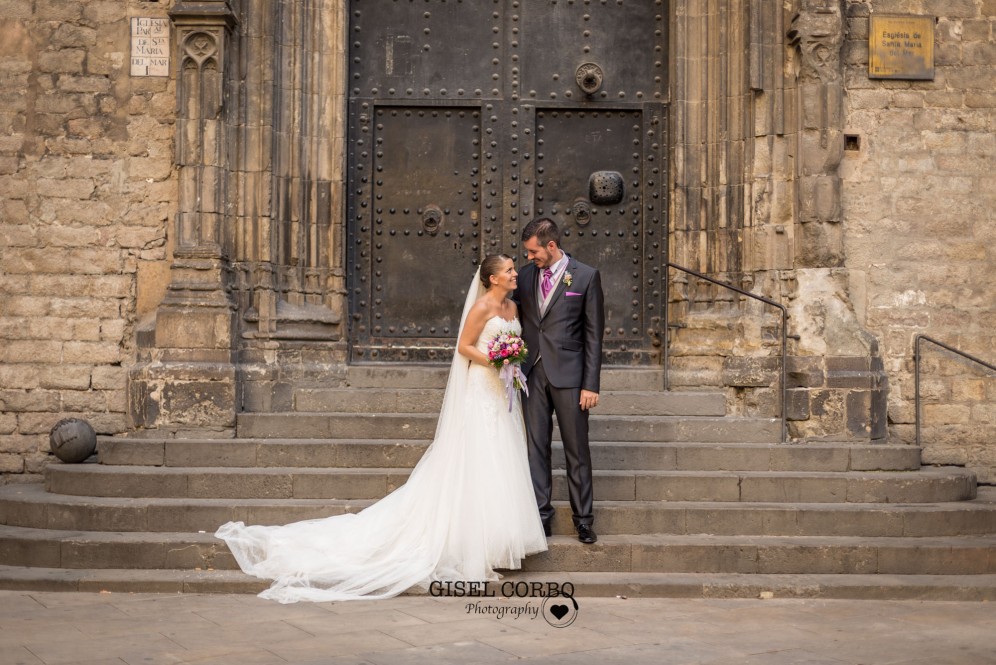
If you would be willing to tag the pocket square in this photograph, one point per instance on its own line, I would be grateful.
(571, 293)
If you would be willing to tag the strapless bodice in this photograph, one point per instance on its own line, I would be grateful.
(494, 327)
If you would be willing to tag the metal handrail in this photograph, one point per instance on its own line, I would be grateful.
(916, 371)
(785, 315)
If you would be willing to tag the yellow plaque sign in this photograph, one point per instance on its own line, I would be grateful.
(901, 47)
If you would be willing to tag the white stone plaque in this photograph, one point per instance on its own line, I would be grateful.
(149, 46)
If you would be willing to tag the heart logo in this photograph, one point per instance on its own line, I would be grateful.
(559, 611)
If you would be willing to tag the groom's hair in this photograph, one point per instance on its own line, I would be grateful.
(543, 229)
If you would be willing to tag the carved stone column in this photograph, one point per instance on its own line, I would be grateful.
(290, 214)
(818, 33)
(711, 130)
(186, 377)
(710, 213)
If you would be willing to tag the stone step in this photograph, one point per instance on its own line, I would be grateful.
(963, 555)
(677, 456)
(586, 585)
(929, 485)
(30, 506)
(423, 426)
(411, 375)
(979, 588)
(429, 400)
(128, 580)
(53, 548)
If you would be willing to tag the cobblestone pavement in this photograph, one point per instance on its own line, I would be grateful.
(148, 629)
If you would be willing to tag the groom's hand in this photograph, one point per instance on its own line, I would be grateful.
(588, 400)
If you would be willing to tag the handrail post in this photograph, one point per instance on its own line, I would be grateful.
(916, 387)
(784, 385)
(916, 372)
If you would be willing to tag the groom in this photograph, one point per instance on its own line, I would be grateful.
(560, 305)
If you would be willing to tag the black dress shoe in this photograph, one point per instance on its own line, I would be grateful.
(547, 530)
(586, 534)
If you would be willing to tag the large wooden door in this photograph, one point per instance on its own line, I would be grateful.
(468, 119)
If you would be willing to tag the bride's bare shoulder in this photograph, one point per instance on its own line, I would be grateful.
(481, 309)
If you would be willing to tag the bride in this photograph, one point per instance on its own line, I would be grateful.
(467, 508)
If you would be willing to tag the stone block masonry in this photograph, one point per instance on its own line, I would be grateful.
(87, 185)
(920, 195)
(864, 206)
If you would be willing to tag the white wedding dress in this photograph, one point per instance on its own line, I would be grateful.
(467, 509)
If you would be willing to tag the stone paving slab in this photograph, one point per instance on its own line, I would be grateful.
(148, 629)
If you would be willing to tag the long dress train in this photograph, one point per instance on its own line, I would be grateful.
(467, 508)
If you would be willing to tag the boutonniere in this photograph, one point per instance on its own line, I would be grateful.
(568, 279)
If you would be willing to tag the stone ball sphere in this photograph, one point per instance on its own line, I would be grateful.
(72, 440)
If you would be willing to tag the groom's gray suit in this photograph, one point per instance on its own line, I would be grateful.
(565, 356)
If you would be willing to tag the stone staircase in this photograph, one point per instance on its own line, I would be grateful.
(689, 501)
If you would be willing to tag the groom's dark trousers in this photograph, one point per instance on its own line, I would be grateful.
(573, 422)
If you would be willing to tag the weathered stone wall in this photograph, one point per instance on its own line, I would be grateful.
(86, 188)
(901, 245)
(789, 234)
(919, 198)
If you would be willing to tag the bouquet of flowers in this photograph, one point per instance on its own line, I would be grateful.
(507, 351)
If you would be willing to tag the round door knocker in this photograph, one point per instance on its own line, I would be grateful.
(589, 77)
(582, 212)
(432, 219)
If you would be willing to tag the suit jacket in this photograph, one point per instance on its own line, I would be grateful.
(568, 336)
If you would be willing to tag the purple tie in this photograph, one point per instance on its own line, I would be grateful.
(547, 284)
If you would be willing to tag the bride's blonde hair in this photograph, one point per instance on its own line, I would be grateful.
(490, 266)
